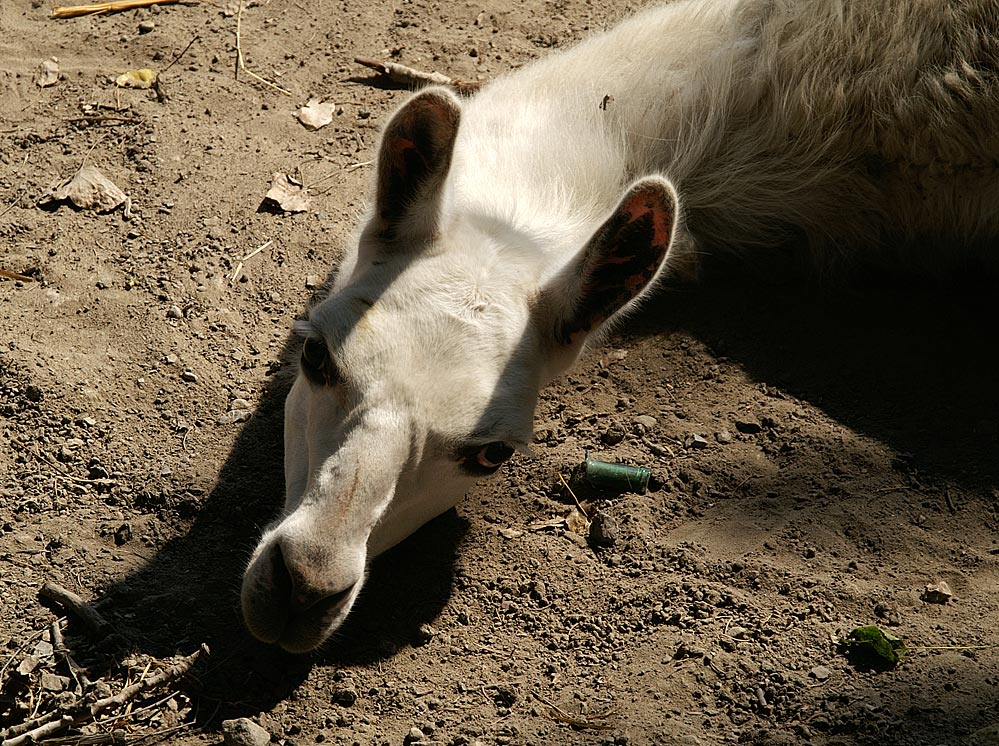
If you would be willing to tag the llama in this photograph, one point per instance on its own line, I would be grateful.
(507, 230)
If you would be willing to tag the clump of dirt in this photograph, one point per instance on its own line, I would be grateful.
(820, 456)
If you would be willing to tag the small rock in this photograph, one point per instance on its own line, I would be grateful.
(174, 312)
(748, 427)
(613, 435)
(739, 633)
(424, 635)
(274, 296)
(123, 534)
(696, 441)
(170, 359)
(146, 26)
(820, 673)
(604, 531)
(28, 665)
(52, 683)
(189, 376)
(244, 732)
(646, 421)
(33, 393)
(415, 734)
(311, 281)
(938, 593)
(724, 437)
(234, 416)
(345, 697)
(239, 404)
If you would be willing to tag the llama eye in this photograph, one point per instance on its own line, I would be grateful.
(481, 461)
(317, 364)
(494, 454)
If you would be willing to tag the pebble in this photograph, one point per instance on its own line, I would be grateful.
(53, 683)
(739, 633)
(604, 530)
(749, 427)
(33, 393)
(724, 437)
(646, 421)
(244, 732)
(234, 416)
(820, 673)
(415, 734)
(345, 697)
(424, 635)
(174, 312)
(239, 404)
(146, 26)
(612, 435)
(311, 281)
(938, 593)
(696, 441)
(170, 359)
(189, 376)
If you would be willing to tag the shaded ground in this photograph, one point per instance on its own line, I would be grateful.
(849, 456)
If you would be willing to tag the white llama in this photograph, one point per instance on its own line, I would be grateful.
(508, 228)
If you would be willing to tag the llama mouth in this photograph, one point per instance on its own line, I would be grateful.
(307, 630)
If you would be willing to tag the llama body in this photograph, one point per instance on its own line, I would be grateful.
(508, 229)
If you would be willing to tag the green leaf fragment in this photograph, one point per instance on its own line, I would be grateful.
(873, 646)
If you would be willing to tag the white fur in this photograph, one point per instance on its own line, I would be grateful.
(843, 129)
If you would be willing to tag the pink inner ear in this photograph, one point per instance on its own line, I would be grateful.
(623, 257)
(650, 201)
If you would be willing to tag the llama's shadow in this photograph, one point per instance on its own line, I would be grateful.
(908, 361)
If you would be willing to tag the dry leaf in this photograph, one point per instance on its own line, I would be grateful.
(143, 78)
(287, 194)
(577, 522)
(48, 73)
(89, 189)
(316, 113)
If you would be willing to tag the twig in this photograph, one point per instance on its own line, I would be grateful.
(172, 673)
(72, 11)
(409, 76)
(91, 618)
(575, 499)
(43, 731)
(49, 725)
(355, 166)
(241, 63)
(257, 250)
(14, 275)
(177, 58)
(581, 723)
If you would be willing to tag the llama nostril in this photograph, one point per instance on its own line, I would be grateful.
(302, 589)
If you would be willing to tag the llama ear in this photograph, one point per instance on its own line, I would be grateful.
(414, 158)
(618, 263)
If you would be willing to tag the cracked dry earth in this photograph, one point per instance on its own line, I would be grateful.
(847, 449)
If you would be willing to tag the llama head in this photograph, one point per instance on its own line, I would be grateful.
(420, 373)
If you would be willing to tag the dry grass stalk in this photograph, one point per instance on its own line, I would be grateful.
(412, 77)
(241, 63)
(72, 11)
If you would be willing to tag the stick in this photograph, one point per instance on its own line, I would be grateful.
(72, 11)
(91, 618)
(409, 76)
(41, 732)
(177, 58)
(172, 673)
(241, 64)
(14, 275)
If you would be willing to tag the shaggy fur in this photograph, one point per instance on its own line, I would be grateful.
(852, 127)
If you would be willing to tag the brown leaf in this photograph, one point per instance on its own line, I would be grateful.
(316, 114)
(48, 73)
(287, 194)
(89, 189)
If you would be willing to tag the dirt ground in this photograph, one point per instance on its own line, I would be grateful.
(848, 449)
